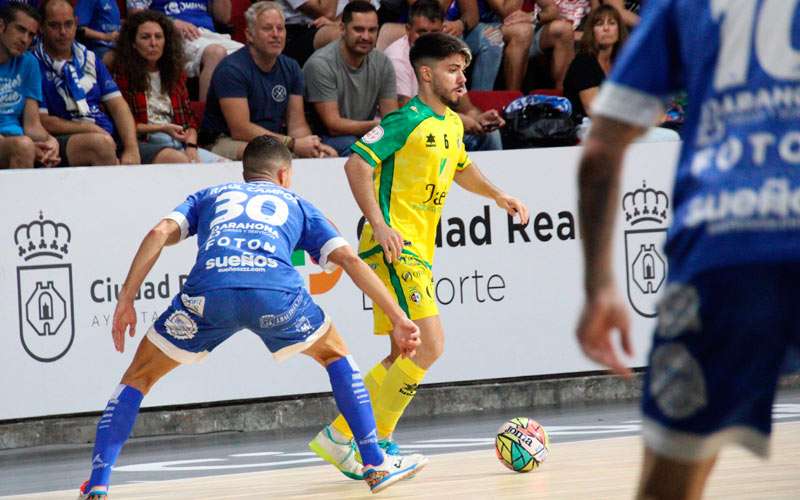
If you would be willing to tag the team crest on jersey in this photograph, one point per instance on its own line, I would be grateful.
(646, 211)
(279, 93)
(430, 141)
(373, 135)
(415, 297)
(44, 289)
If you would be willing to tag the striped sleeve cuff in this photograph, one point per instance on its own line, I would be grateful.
(627, 105)
(180, 219)
(331, 245)
(366, 153)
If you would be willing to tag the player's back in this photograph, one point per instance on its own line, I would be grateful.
(737, 192)
(246, 233)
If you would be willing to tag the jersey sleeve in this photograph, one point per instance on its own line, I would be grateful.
(383, 140)
(84, 10)
(186, 215)
(319, 237)
(32, 80)
(647, 70)
(463, 158)
(108, 87)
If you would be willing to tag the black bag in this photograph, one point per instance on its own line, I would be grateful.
(538, 121)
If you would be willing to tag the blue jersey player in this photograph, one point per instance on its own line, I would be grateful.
(244, 279)
(728, 319)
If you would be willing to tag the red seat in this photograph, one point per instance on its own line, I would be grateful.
(492, 99)
(238, 22)
(198, 108)
(554, 92)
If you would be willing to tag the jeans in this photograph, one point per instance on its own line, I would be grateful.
(341, 143)
(487, 54)
(486, 142)
(203, 155)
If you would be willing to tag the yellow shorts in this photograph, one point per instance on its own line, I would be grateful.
(410, 281)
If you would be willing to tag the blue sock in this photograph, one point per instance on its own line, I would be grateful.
(352, 399)
(113, 429)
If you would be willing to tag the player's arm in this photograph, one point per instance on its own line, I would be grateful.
(405, 332)
(166, 232)
(473, 180)
(359, 176)
(598, 182)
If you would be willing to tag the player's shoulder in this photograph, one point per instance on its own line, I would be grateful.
(407, 118)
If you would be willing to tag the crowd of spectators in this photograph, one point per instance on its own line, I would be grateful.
(96, 82)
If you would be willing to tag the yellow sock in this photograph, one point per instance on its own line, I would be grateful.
(397, 390)
(372, 381)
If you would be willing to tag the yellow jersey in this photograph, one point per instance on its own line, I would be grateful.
(415, 154)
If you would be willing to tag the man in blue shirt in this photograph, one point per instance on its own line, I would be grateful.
(100, 20)
(83, 106)
(257, 90)
(23, 140)
(203, 48)
(728, 319)
(243, 278)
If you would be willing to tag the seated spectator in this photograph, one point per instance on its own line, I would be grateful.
(149, 72)
(99, 22)
(309, 25)
(76, 88)
(203, 48)
(628, 9)
(259, 91)
(480, 128)
(603, 37)
(23, 140)
(475, 22)
(348, 81)
(553, 34)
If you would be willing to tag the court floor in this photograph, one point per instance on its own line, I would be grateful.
(595, 454)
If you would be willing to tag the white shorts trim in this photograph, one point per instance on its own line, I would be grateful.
(627, 105)
(690, 447)
(289, 351)
(193, 49)
(329, 246)
(180, 355)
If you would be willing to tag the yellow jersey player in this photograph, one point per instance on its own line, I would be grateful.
(400, 173)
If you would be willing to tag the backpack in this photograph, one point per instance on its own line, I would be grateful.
(538, 121)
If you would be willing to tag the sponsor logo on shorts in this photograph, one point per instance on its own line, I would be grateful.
(181, 326)
(194, 304)
(303, 325)
(678, 311)
(273, 320)
(677, 383)
(646, 211)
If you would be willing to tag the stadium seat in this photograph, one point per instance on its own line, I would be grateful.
(238, 22)
(198, 108)
(554, 92)
(492, 99)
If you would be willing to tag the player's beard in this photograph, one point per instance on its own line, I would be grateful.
(444, 95)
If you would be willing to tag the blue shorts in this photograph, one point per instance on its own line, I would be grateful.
(192, 326)
(719, 348)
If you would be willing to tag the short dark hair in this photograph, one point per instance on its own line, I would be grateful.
(356, 6)
(429, 9)
(265, 155)
(8, 13)
(437, 46)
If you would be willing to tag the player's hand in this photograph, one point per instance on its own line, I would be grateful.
(604, 312)
(491, 120)
(130, 156)
(406, 336)
(390, 240)
(513, 206)
(124, 319)
(187, 30)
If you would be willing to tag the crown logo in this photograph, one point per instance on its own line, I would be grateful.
(42, 238)
(645, 204)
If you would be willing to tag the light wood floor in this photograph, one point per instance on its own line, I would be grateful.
(597, 469)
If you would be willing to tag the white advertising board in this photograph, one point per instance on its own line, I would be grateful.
(509, 296)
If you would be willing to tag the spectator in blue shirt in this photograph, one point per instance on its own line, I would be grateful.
(100, 22)
(23, 140)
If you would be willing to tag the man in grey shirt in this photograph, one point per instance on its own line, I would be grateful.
(347, 81)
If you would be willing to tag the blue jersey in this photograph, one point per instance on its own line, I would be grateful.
(99, 15)
(737, 190)
(191, 11)
(20, 80)
(246, 233)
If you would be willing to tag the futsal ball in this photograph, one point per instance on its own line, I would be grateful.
(522, 444)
